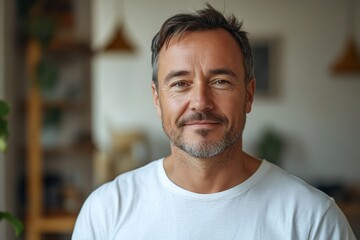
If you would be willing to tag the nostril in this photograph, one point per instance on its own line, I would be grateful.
(202, 103)
(201, 97)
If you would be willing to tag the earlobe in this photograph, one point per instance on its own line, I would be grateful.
(250, 91)
(156, 99)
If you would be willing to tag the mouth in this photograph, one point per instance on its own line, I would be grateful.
(201, 123)
(202, 120)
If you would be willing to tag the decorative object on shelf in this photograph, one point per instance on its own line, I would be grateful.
(4, 133)
(47, 77)
(72, 198)
(42, 28)
(52, 118)
(50, 21)
(349, 60)
(129, 150)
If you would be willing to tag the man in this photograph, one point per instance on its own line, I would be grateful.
(208, 188)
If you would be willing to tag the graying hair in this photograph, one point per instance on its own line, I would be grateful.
(205, 19)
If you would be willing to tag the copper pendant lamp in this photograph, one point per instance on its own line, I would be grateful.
(119, 41)
(349, 60)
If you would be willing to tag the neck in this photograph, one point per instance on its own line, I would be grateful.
(210, 175)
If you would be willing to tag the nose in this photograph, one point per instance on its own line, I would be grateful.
(201, 98)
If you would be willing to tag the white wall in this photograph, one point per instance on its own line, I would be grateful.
(317, 113)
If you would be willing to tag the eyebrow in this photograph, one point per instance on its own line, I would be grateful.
(218, 71)
(223, 71)
(175, 73)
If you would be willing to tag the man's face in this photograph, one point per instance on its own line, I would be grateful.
(201, 97)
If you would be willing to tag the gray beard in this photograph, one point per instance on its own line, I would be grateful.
(205, 149)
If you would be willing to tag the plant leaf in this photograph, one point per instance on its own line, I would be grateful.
(4, 109)
(14, 221)
(4, 132)
(2, 144)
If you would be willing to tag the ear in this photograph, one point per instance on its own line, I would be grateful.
(250, 91)
(156, 99)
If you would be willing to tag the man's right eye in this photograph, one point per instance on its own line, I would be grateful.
(179, 84)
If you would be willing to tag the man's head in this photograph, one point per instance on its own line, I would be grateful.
(205, 19)
(203, 89)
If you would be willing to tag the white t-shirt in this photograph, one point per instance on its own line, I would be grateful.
(271, 204)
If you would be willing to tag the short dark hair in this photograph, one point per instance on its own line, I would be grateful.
(205, 19)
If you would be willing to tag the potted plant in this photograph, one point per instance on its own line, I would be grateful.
(4, 133)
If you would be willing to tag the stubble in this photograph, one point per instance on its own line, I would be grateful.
(204, 148)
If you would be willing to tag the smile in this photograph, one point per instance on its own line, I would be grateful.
(201, 123)
(202, 119)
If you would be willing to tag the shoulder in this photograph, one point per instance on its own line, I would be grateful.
(286, 191)
(127, 182)
(290, 185)
(109, 202)
(308, 207)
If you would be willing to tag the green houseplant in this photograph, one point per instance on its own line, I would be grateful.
(4, 133)
(271, 146)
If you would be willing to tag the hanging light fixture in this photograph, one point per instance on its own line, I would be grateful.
(119, 42)
(349, 60)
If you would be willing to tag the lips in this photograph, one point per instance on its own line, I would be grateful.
(201, 119)
(189, 123)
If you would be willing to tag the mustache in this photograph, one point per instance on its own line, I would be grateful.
(201, 116)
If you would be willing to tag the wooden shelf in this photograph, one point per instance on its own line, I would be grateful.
(57, 104)
(75, 143)
(77, 149)
(54, 223)
(60, 46)
(63, 104)
(38, 222)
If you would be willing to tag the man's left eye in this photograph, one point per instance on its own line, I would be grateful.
(221, 82)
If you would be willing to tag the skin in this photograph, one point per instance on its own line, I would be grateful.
(202, 74)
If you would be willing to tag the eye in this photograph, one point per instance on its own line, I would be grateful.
(179, 85)
(221, 82)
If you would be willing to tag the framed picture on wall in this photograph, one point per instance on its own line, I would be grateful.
(266, 53)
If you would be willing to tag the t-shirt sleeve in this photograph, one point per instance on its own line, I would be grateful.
(333, 225)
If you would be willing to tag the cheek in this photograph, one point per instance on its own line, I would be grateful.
(233, 106)
(231, 100)
(172, 107)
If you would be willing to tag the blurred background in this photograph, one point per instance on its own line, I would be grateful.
(77, 76)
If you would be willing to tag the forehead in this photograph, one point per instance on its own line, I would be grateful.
(201, 49)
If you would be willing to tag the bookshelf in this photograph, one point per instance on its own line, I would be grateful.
(58, 143)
